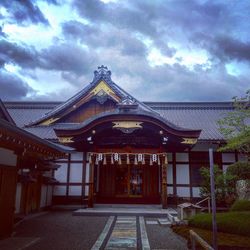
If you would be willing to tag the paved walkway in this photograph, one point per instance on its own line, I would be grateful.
(131, 232)
(62, 231)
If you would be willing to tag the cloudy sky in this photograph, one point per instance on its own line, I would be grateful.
(158, 50)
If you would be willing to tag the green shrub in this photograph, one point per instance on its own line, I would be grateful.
(230, 222)
(241, 205)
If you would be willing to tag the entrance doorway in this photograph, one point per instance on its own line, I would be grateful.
(129, 181)
(128, 184)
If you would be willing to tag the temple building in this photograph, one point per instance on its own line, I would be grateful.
(125, 150)
(26, 171)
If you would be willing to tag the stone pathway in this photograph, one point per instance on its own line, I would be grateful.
(124, 234)
(130, 232)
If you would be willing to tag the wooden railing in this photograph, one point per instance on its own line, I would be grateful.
(195, 238)
(208, 203)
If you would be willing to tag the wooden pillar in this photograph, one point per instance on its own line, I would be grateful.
(91, 185)
(84, 164)
(164, 183)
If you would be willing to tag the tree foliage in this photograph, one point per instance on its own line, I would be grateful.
(224, 185)
(235, 126)
(241, 170)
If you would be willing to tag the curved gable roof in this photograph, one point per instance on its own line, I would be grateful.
(102, 82)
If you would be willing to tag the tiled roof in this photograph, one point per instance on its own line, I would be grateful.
(4, 114)
(30, 137)
(191, 115)
(196, 116)
(102, 74)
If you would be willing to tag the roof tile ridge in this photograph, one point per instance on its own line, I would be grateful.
(139, 102)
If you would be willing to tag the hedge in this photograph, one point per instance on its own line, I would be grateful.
(230, 222)
(241, 205)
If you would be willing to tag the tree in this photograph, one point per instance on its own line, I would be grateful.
(235, 126)
(224, 185)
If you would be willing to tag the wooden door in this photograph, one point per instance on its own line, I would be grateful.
(107, 181)
(151, 183)
(8, 181)
(129, 184)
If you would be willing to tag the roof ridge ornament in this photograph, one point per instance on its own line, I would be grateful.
(102, 72)
(128, 103)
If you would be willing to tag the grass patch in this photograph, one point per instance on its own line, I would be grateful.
(230, 222)
(225, 240)
(241, 205)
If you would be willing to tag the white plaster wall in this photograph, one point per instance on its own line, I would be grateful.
(170, 190)
(196, 192)
(170, 156)
(7, 157)
(170, 174)
(183, 191)
(75, 190)
(60, 190)
(182, 157)
(228, 157)
(61, 172)
(43, 196)
(182, 173)
(18, 197)
(75, 172)
(77, 156)
(87, 179)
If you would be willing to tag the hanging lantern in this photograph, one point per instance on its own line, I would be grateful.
(104, 160)
(116, 157)
(158, 161)
(90, 158)
(154, 157)
(112, 159)
(128, 161)
(166, 159)
(143, 159)
(100, 157)
(139, 157)
(136, 162)
(150, 160)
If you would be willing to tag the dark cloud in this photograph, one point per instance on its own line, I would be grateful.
(223, 47)
(108, 37)
(12, 87)
(19, 54)
(77, 30)
(137, 18)
(67, 57)
(164, 21)
(24, 11)
(228, 48)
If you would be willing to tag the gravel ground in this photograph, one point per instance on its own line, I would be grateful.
(62, 231)
(162, 237)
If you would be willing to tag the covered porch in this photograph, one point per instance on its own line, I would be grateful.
(126, 154)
